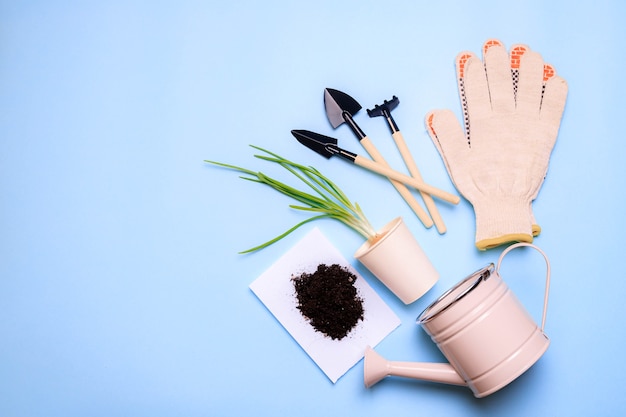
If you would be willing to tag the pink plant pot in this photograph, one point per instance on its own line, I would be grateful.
(399, 262)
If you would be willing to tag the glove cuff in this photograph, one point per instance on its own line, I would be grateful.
(535, 227)
(501, 221)
(536, 230)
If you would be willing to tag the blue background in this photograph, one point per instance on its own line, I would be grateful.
(121, 290)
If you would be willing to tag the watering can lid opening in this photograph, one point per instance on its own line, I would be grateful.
(455, 294)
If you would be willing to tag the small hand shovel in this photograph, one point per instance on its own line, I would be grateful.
(340, 107)
(385, 110)
(327, 147)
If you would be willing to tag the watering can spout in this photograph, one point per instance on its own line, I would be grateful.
(376, 368)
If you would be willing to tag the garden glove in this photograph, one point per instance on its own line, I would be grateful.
(512, 108)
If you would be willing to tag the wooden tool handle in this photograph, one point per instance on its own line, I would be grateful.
(400, 187)
(373, 151)
(405, 179)
(415, 173)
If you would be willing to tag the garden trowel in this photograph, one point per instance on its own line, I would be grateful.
(340, 108)
(327, 147)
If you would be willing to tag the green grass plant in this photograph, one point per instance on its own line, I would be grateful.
(321, 196)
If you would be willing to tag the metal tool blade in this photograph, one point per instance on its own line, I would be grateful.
(336, 103)
(385, 110)
(323, 145)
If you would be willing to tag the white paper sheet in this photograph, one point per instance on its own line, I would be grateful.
(275, 289)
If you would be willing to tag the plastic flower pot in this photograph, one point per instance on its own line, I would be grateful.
(399, 262)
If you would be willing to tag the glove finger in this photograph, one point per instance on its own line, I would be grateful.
(530, 83)
(516, 54)
(553, 101)
(447, 135)
(498, 67)
(473, 87)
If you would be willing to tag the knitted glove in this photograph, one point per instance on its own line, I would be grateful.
(512, 108)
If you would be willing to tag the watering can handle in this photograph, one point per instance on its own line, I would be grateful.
(545, 298)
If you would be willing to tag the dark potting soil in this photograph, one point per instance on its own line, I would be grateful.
(329, 300)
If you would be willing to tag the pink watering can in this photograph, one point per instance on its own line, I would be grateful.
(482, 329)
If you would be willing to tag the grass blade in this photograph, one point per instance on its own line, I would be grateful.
(326, 197)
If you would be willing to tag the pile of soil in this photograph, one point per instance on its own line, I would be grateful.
(329, 300)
